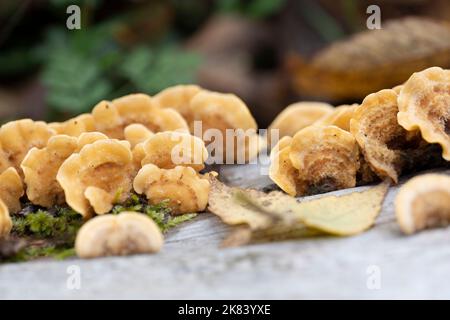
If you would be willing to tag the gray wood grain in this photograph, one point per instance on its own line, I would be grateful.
(192, 267)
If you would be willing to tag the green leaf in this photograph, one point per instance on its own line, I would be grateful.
(151, 71)
(74, 83)
(260, 9)
(77, 67)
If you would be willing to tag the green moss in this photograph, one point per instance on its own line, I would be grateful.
(160, 213)
(54, 230)
(46, 251)
(61, 223)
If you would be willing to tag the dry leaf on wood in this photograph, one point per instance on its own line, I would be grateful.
(261, 216)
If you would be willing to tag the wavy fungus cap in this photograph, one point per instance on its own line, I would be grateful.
(117, 235)
(169, 149)
(340, 117)
(284, 174)
(40, 167)
(136, 133)
(380, 137)
(423, 202)
(298, 116)
(220, 111)
(88, 138)
(17, 137)
(186, 191)
(96, 177)
(75, 126)
(325, 157)
(113, 117)
(5, 220)
(280, 145)
(424, 104)
(11, 189)
(179, 98)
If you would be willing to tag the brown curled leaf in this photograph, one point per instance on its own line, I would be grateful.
(373, 60)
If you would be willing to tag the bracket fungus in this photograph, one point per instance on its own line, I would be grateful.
(88, 138)
(220, 111)
(136, 133)
(5, 220)
(179, 98)
(424, 104)
(398, 88)
(40, 167)
(325, 157)
(169, 149)
(283, 173)
(17, 137)
(186, 191)
(75, 126)
(384, 143)
(111, 118)
(118, 235)
(298, 116)
(11, 189)
(423, 202)
(280, 145)
(340, 117)
(106, 166)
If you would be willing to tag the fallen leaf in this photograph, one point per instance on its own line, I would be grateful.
(274, 216)
(372, 60)
(345, 215)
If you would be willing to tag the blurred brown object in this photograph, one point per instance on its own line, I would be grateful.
(372, 60)
(229, 46)
(9, 103)
(26, 100)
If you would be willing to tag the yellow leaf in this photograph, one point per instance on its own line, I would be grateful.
(346, 215)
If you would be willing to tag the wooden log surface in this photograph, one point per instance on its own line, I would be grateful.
(380, 263)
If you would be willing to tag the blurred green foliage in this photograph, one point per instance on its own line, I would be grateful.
(82, 67)
(79, 68)
(257, 9)
(121, 48)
